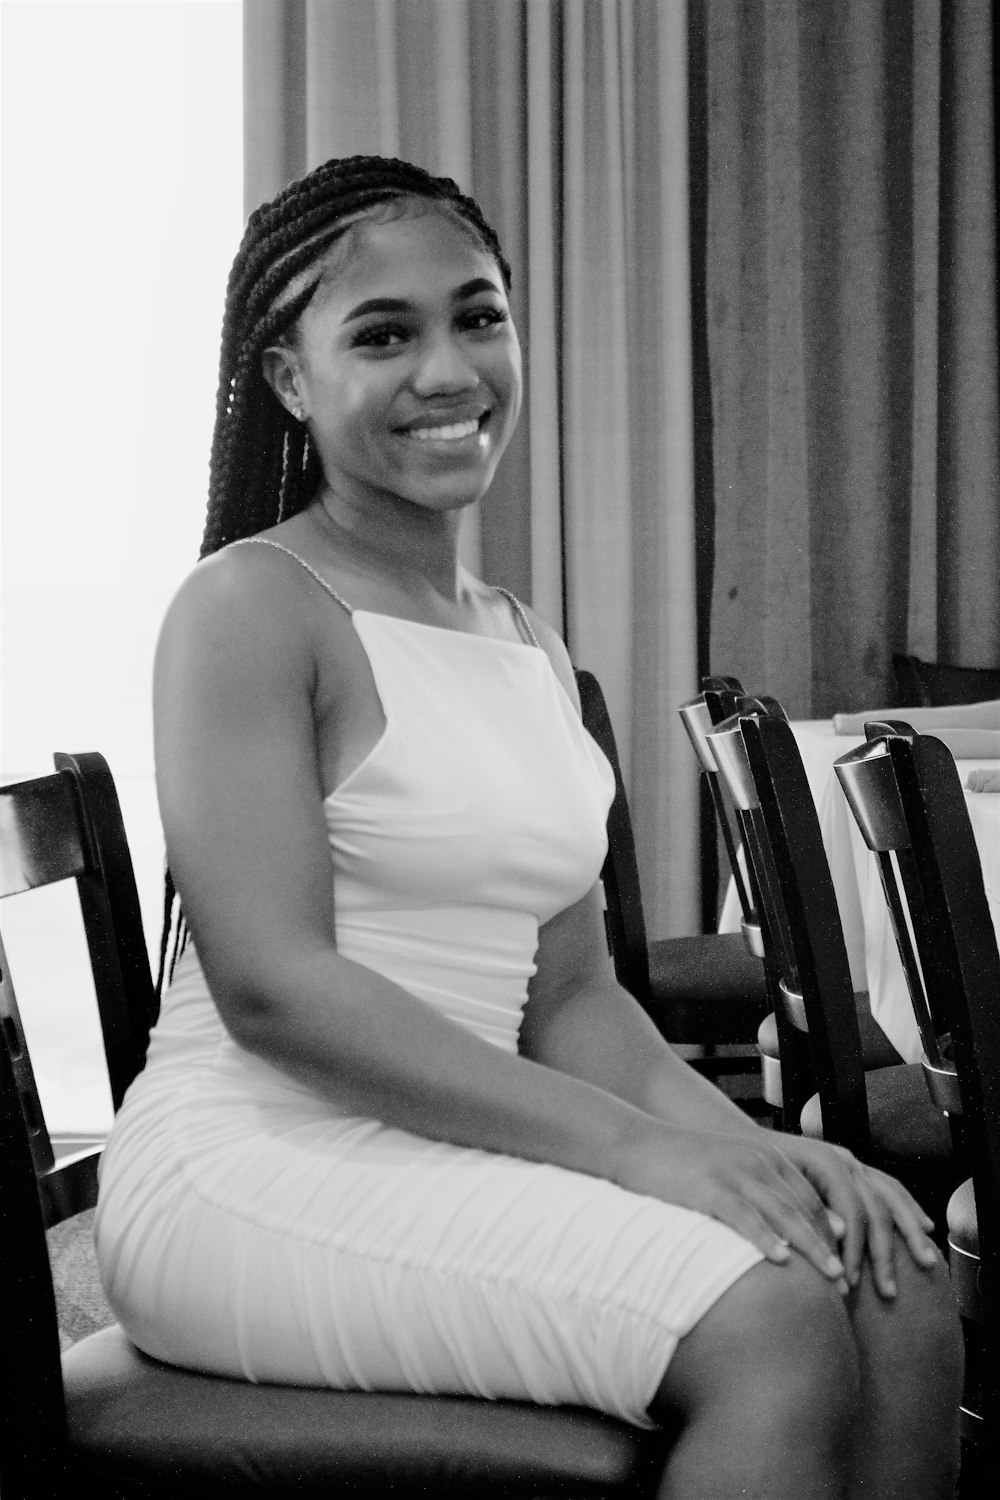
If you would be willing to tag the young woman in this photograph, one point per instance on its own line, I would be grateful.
(399, 1127)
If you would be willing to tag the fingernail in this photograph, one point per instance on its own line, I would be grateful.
(842, 1286)
(837, 1224)
(889, 1287)
(835, 1266)
(782, 1250)
(854, 1278)
(929, 1255)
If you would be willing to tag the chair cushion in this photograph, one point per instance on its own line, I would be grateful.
(876, 1049)
(131, 1415)
(906, 1125)
(708, 988)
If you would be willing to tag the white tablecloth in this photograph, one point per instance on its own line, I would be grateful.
(871, 948)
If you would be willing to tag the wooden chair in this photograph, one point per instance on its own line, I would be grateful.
(937, 684)
(106, 1418)
(905, 792)
(884, 1116)
(705, 990)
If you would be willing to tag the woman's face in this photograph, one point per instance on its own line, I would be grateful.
(407, 364)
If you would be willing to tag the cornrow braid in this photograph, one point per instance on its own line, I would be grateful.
(263, 467)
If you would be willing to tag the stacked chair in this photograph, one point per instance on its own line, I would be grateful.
(883, 1115)
(705, 991)
(105, 1419)
(905, 793)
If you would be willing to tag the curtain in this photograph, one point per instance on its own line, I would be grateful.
(848, 165)
(569, 123)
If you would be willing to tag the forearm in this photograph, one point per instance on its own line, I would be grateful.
(606, 1038)
(374, 1050)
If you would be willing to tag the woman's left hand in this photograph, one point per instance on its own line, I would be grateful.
(867, 1209)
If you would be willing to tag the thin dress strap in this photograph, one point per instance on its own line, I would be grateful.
(263, 541)
(519, 614)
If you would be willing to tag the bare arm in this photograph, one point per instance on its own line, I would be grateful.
(580, 1020)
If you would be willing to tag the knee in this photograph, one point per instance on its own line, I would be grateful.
(779, 1341)
(918, 1334)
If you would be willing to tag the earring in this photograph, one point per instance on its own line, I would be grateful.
(298, 412)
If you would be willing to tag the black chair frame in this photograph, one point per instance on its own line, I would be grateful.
(920, 815)
(106, 1418)
(655, 973)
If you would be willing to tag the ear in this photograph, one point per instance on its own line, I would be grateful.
(280, 368)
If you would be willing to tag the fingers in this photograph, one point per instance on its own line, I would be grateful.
(764, 1197)
(879, 1236)
(807, 1233)
(874, 1207)
(905, 1214)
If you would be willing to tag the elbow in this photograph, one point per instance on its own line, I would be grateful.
(260, 1003)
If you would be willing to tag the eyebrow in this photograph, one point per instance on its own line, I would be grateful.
(400, 305)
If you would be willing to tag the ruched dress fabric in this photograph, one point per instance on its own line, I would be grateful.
(246, 1227)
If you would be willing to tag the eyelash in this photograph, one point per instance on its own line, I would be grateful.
(479, 320)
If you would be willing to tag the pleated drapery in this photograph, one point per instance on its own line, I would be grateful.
(569, 123)
(851, 260)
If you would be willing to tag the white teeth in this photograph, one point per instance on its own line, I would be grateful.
(446, 434)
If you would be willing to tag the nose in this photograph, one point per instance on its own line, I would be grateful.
(444, 367)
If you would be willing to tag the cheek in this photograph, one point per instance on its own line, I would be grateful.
(351, 407)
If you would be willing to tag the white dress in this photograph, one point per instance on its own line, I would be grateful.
(248, 1228)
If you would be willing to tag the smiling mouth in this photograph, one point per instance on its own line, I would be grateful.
(453, 432)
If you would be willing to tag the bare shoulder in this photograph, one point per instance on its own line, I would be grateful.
(251, 601)
(554, 647)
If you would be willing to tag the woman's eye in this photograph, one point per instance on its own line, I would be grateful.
(379, 336)
(484, 317)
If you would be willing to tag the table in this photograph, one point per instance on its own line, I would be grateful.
(871, 948)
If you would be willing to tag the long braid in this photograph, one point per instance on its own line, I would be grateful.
(263, 466)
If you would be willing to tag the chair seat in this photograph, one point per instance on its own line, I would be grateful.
(876, 1049)
(131, 1415)
(906, 1125)
(709, 988)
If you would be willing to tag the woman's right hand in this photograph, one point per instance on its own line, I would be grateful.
(743, 1181)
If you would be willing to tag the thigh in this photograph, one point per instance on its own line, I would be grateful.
(380, 1260)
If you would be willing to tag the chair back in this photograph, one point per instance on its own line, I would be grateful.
(715, 702)
(759, 759)
(938, 684)
(957, 946)
(626, 922)
(868, 779)
(67, 826)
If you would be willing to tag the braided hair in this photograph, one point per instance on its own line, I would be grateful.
(263, 468)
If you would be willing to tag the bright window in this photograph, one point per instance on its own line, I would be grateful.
(122, 186)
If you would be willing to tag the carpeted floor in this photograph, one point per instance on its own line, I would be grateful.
(80, 1301)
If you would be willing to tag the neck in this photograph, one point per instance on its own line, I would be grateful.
(402, 543)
